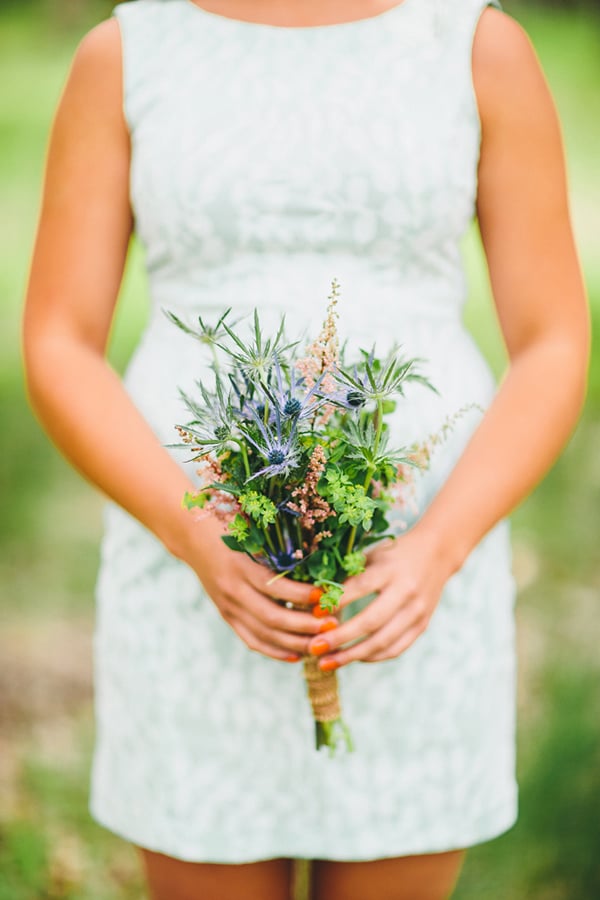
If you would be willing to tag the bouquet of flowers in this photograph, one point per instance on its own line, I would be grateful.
(295, 457)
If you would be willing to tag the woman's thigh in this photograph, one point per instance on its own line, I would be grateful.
(425, 877)
(173, 879)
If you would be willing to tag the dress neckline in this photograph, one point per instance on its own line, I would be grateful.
(270, 26)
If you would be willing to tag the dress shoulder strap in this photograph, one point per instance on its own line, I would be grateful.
(145, 48)
(455, 22)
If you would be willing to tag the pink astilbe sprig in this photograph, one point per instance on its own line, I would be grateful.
(323, 355)
(310, 507)
(210, 500)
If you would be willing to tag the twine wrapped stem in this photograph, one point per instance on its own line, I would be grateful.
(324, 696)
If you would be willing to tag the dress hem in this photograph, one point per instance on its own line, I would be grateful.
(501, 819)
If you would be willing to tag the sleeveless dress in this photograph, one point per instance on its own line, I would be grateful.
(267, 161)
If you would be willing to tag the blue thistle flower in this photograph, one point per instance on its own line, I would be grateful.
(292, 407)
(283, 560)
(280, 452)
(292, 400)
(374, 380)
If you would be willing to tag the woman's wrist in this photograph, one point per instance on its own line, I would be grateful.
(448, 547)
(186, 534)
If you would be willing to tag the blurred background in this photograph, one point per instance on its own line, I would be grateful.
(50, 528)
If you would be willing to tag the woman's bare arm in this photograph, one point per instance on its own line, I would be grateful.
(536, 279)
(78, 260)
(523, 214)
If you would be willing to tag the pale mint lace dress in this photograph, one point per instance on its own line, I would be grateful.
(266, 162)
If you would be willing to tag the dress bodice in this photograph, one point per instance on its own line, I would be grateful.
(260, 150)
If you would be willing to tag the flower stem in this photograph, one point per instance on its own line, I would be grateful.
(299, 535)
(214, 356)
(370, 468)
(379, 415)
(279, 534)
(244, 453)
(269, 540)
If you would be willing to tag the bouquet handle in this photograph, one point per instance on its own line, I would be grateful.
(323, 692)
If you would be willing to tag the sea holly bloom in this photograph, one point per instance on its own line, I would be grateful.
(255, 359)
(285, 558)
(208, 334)
(364, 444)
(292, 400)
(214, 424)
(282, 453)
(374, 381)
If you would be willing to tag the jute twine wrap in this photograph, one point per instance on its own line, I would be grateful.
(322, 691)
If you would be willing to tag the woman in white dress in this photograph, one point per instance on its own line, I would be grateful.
(260, 149)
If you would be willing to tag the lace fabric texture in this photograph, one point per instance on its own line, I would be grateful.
(265, 162)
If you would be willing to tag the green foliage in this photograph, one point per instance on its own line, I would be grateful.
(369, 445)
(245, 536)
(332, 594)
(258, 507)
(349, 500)
(195, 501)
(354, 563)
(322, 566)
(239, 528)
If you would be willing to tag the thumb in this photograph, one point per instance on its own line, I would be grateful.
(357, 586)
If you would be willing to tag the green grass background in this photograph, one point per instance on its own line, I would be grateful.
(50, 527)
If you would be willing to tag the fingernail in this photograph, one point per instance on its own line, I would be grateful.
(315, 595)
(328, 665)
(319, 612)
(292, 658)
(329, 625)
(319, 646)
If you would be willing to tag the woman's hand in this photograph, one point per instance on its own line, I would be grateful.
(241, 591)
(408, 575)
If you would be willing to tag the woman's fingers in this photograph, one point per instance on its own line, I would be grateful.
(388, 643)
(357, 586)
(394, 650)
(271, 614)
(377, 629)
(279, 588)
(290, 641)
(283, 640)
(253, 642)
(364, 623)
(380, 568)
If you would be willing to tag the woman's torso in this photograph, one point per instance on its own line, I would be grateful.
(267, 161)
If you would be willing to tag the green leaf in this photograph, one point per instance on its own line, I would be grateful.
(354, 563)
(332, 594)
(373, 538)
(231, 542)
(322, 565)
(239, 528)
(258, 507)
(190, 501)
(379, 522)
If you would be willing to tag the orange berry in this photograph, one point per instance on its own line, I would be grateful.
(292, 658)
(315, 595)
(319, 612)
